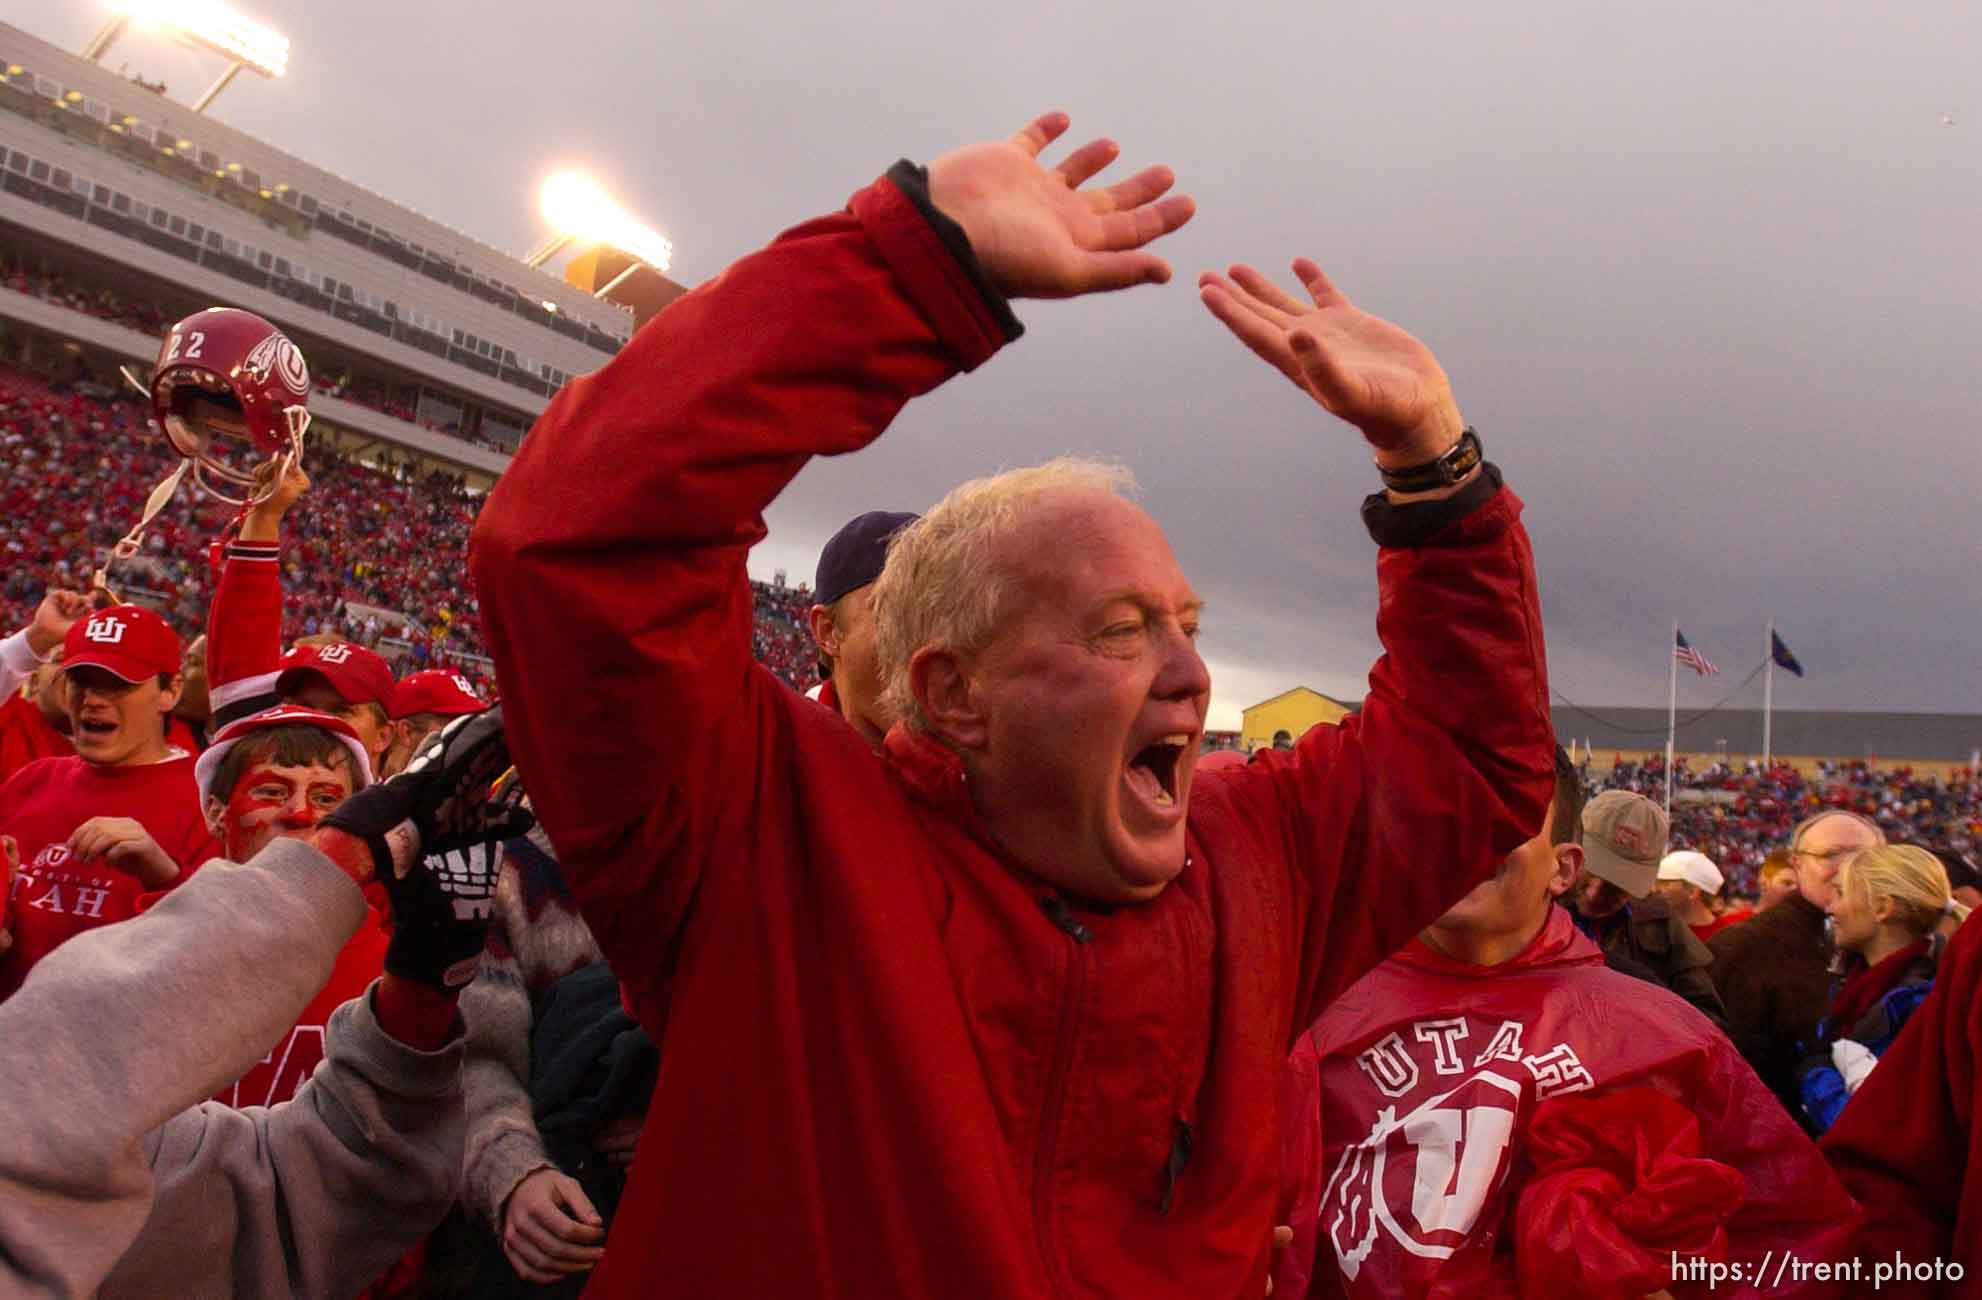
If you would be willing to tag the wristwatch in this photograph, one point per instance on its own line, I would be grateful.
(1443, 472)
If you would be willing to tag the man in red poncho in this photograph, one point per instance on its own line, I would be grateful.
(999, 1010)
(1493, 1113)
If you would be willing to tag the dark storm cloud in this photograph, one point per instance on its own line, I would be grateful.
(1706, 280)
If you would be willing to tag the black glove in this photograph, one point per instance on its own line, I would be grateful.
(434, 832)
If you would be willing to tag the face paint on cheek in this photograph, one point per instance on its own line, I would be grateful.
(251, 808)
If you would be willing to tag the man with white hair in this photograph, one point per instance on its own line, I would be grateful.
(1774, 971)
(1001, 1009)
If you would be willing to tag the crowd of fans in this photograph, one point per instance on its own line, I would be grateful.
(104, 304)
(392, 540)
(780, 639)
(1792, 1002)
(1737, 816)
(77, 460)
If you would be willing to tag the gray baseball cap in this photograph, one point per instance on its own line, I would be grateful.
(1624, 837)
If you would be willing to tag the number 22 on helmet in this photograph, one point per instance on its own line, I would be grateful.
(229, 392)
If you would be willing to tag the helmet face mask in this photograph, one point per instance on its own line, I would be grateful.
(229, 393)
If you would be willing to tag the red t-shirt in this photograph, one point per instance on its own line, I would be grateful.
(56, 898)
(25, 736)
(295, 1058)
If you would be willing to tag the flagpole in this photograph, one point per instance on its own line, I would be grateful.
(1671, 711)
(1769, 701)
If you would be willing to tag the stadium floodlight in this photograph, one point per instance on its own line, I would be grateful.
(208, 24)
(578, 209)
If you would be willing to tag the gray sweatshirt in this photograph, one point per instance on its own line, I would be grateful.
(110, 1184)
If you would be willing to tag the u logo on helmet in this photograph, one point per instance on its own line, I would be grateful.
(277, 356)
(108, 631)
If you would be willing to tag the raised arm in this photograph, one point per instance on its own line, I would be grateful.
(1392, 816)
(29, 648)
(131, 1023)
(244, 626)
(103, 1174)
(610, 558)
(329, 1187)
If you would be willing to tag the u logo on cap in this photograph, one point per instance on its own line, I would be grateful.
(109, 631)
(334, 654)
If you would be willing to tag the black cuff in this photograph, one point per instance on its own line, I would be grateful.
(913, 182)
(1418, 522)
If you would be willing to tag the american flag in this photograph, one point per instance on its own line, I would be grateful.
(1692, 658)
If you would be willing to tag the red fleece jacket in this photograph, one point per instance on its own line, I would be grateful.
(897, 1063)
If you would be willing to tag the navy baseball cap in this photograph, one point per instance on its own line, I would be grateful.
(853, 558)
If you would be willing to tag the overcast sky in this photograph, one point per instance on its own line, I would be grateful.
(1705, 276)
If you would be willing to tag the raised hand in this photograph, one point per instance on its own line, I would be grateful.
(53, 617)
(430, 834)
(1037, 233)
(272, 497)
(1358, 366)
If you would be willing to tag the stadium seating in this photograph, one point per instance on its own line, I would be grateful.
(107, 304)
(1738, 832)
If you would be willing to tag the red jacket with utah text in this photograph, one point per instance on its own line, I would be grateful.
(1410, 1108)
(889, 1071)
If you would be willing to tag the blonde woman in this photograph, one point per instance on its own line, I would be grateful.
(1885, 921)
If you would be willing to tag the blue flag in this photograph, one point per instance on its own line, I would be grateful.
(1780, 653)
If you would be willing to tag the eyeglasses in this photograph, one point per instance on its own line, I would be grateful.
(1828, 854)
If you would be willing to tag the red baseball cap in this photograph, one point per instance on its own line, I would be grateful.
(282, 715)
(128, 640)
(352, 671)
(435, 690)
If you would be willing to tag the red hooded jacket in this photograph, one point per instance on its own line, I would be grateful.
(1411, 1105)
(898, 1064)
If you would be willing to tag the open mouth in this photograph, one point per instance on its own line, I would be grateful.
(96, 727)
(1153, 771)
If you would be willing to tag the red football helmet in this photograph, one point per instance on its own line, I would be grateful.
(235, 361)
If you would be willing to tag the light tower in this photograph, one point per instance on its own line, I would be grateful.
(205, 25)
(624, 261)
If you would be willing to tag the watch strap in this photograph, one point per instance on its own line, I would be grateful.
(1448, 469)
